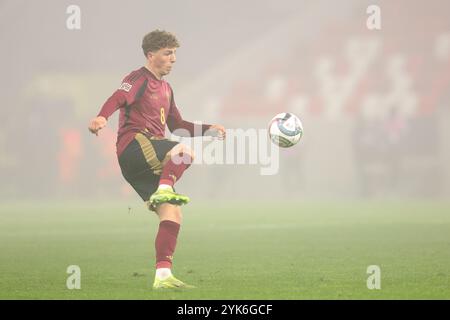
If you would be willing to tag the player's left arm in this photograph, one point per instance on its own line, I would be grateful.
(175, 122)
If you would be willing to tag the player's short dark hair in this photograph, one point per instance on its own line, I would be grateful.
(158, 39)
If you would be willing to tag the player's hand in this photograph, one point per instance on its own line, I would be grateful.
(218, 131)
(97, 124)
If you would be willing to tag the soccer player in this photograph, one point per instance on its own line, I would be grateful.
(149, 162)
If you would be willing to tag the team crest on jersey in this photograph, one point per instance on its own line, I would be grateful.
(125, 87)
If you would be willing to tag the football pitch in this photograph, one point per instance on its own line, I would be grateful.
(303, 250)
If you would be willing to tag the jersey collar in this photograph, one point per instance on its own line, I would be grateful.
(151, 74)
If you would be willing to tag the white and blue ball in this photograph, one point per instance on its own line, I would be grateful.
(285, 130)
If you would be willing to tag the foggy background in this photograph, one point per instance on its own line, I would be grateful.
(374, 103)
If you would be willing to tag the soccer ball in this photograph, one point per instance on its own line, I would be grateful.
(285, 130)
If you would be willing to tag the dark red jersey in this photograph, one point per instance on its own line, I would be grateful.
(146, 105)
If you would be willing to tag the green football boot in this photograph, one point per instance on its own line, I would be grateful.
(170, 283)
(167, 196)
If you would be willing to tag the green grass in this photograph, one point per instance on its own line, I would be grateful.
(229, 251)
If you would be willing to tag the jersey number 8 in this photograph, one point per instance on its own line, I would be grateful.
(163, 117)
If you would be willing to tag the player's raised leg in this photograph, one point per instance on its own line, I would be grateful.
(177, 161)
(170, 218)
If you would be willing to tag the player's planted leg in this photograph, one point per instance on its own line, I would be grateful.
(165, 244)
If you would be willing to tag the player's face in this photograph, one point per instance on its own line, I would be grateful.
(163, 60)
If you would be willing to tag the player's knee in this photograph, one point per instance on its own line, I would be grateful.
(190, 153)
(182, 154)
(179, 216)
(167, 211)
(187, 154)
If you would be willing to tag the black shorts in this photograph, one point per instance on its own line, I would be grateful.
(141, 162)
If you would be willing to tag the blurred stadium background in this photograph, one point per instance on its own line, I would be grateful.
(375, 104)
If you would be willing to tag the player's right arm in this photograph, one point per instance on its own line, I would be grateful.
(96, 124)
(116, 101)
(125, 95)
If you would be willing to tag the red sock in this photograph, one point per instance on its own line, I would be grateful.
(173, 171)
(165, 243)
